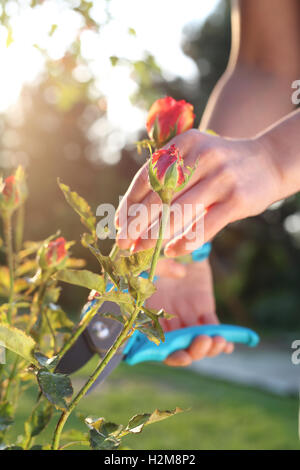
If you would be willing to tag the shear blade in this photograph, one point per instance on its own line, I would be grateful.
(77, 356)
(98, 337)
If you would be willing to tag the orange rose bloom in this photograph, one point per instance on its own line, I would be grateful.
(168, 118)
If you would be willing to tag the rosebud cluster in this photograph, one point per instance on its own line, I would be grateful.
(166, 119)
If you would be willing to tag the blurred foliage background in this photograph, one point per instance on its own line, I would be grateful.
(59, 128)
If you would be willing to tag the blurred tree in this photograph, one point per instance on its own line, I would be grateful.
(60, 128)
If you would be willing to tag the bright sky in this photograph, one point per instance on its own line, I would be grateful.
(158, 25)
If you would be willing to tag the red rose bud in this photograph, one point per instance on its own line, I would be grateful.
(166, 172)
(13, 191)
(56, 252)
(10, 190)
(168, 118)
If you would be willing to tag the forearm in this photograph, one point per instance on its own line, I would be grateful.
(247, 100)
(255, 90)
(282, 145)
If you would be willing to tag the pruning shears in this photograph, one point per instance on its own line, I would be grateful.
(102, 332)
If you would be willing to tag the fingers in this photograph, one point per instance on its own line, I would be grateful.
(140, 191)
(229, 348)
(178, 358)
(205, 346)
(202, 346)
(186, 218)
(217, 347)
(171, 269)
(136, 192)
(216, 218)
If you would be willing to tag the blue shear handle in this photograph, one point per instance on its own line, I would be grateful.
(140, 349)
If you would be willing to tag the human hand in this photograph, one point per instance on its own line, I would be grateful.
(186, 291)
(234, 179)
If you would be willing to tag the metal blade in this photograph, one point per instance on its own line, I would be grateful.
(77, 356)
(98, 337)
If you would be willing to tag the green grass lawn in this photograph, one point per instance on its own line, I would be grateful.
(220, 416)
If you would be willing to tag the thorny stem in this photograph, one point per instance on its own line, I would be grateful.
(110, 353)
(162, 227)
(119, 341)
(19, 228)
(81, 327)
(10, 261)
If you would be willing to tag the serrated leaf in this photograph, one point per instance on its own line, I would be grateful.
(39, 419)
(152, 313)
(80, 206)
(152, 329)
(103, 434)
(46, 362)
(140, 288)
(120, 298)
(138, 422)
(81, 277)
(133, 264)
(55, 387)
(6, 415)
(106, 263)
(17, 341)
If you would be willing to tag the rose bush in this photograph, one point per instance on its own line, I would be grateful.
(37, 332)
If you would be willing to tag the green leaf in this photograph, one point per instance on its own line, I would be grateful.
(151, 328)
(141, 288)
(120, 298)
(46, 362)
(133, 264)
(106, 263)
(6, 415)
(55, 387)
(152, 313)
(81, 277)
(38, 420)
(103, 434)
(138, 422)
(17, 341)
(81, 207)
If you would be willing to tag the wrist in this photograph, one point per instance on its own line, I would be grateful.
(269, 151)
